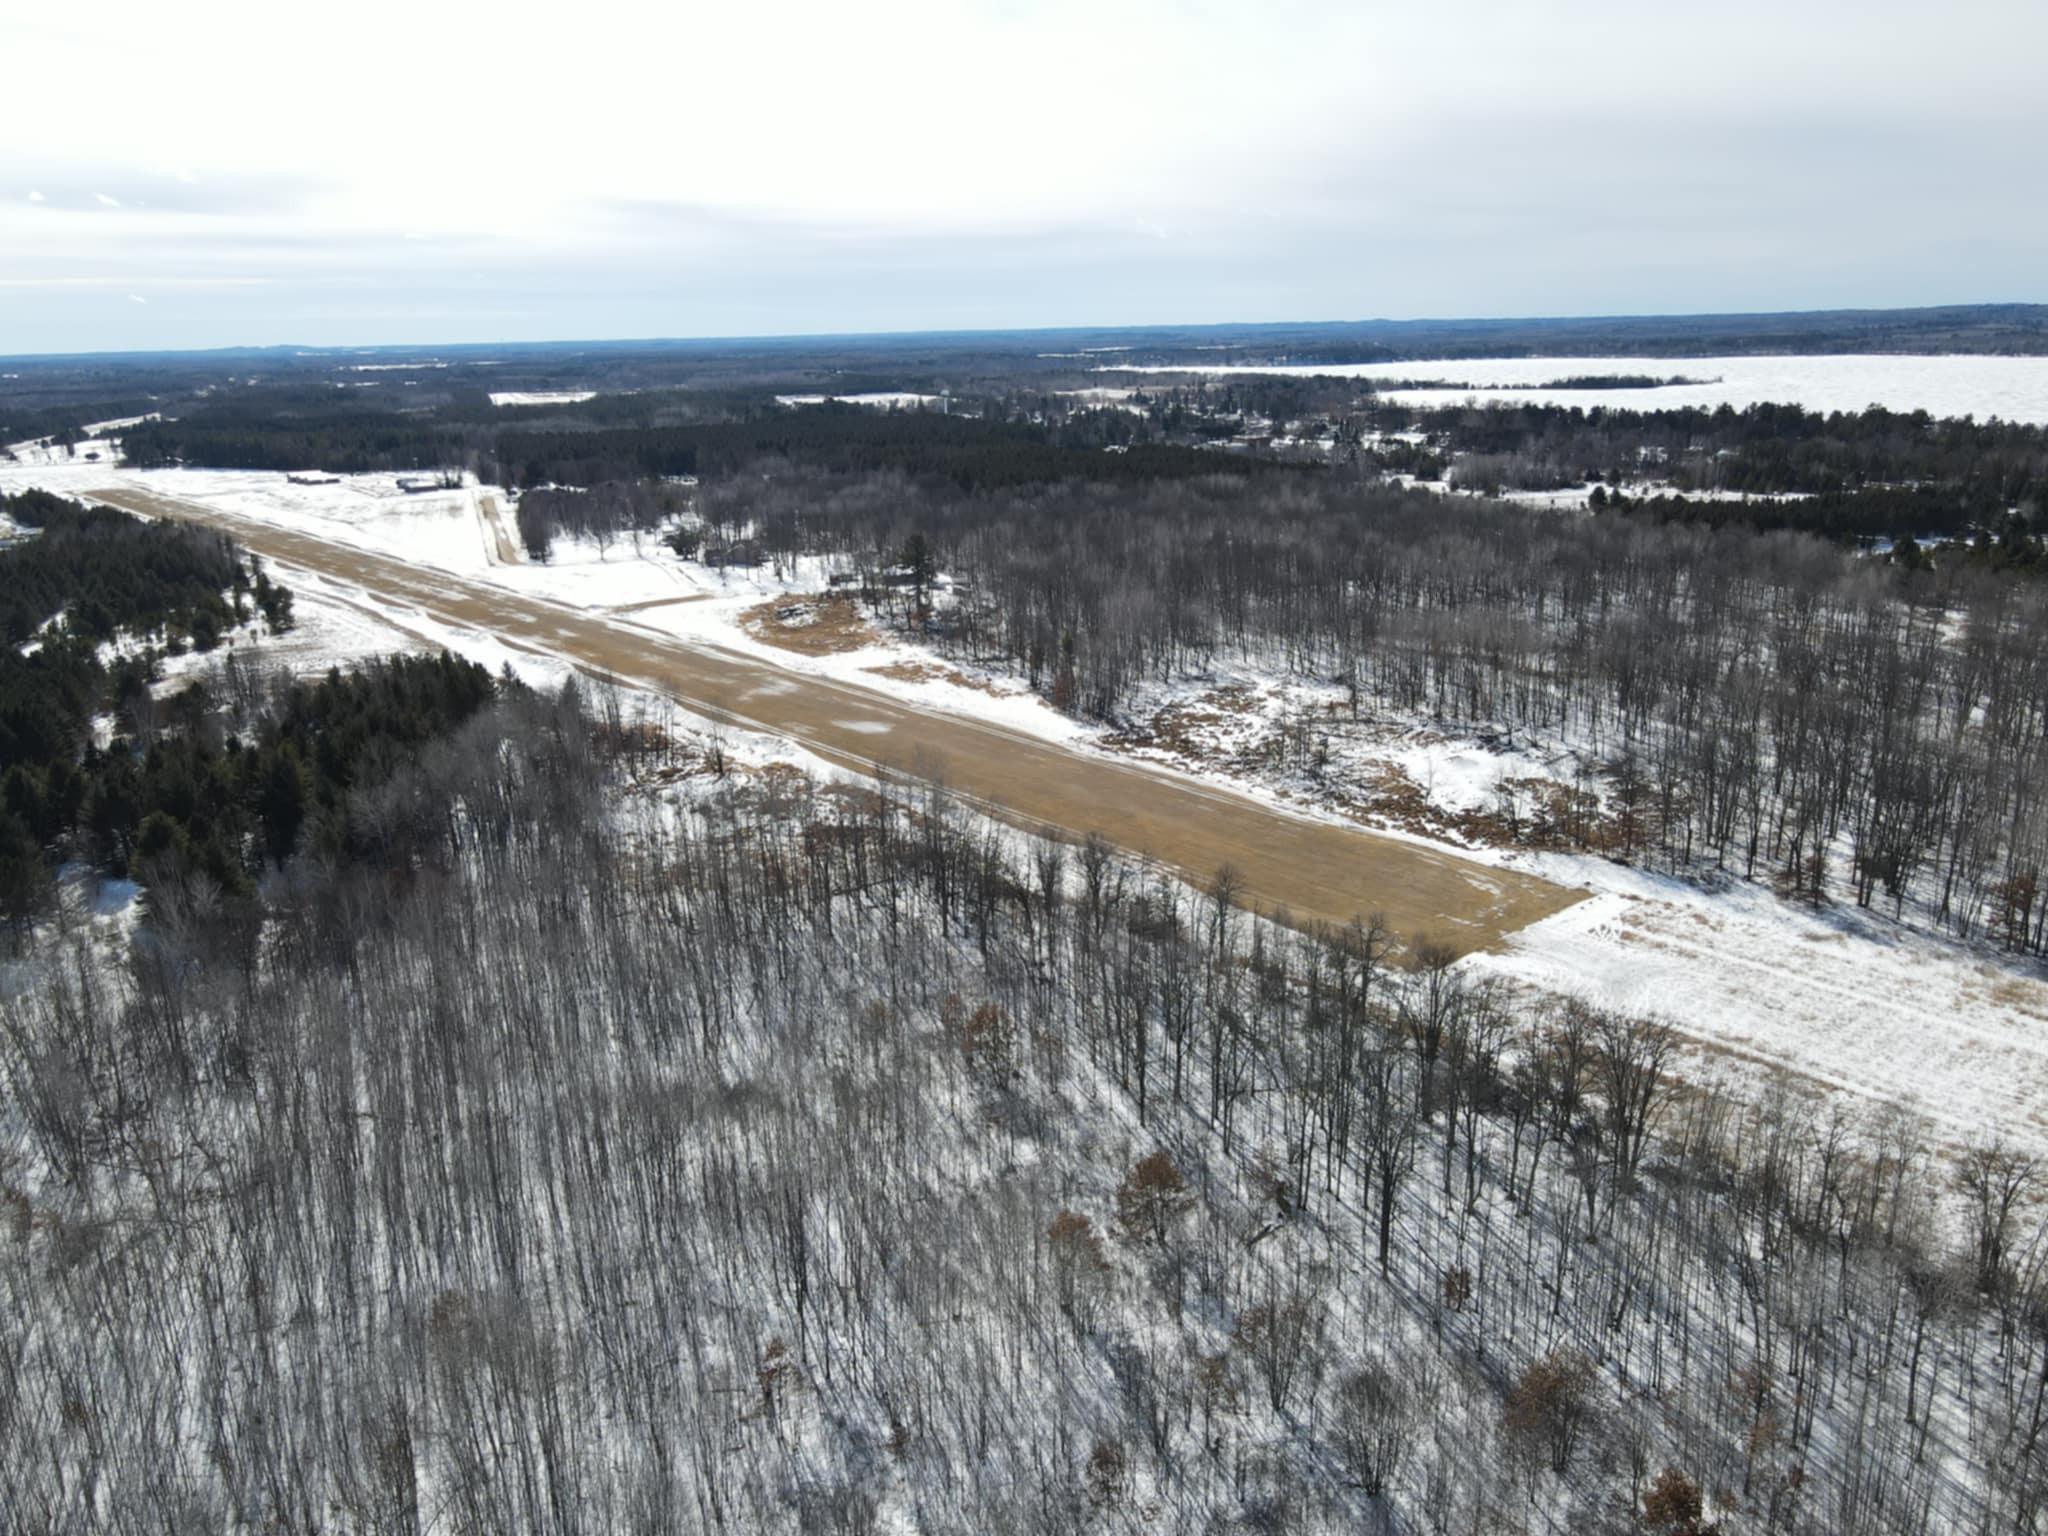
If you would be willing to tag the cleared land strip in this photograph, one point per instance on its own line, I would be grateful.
(1318, 872)
(491, 513)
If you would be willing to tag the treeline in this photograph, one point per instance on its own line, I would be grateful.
(602, 513)
(31, 419)
(2003, 329)
(89, 576)
(1762, 450)
(104, 571)
(341, 443)
(830, 1160)
(219, 780)
(1871, 514)
(1754, 702)
(1611, 381)
(970, 453)
(436, 420)
(989, 451)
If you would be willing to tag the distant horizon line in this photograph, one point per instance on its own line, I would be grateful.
(792, 338)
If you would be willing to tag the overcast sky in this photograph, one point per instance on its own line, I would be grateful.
(225, 173)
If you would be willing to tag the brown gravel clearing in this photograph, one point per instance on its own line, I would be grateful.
(811, 626)
(931, 672)
(1318, 871)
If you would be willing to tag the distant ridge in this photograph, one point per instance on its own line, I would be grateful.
(1982, 328)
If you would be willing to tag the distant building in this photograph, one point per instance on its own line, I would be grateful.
(741, 552)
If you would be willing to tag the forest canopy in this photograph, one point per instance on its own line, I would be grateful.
(223, 779)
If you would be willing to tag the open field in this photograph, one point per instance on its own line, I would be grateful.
(1318, 872)
(2011, 388)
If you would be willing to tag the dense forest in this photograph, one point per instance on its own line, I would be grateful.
(217, 780)
(1875, 474)
(338, 442)
(820, 1160)
(80, 579)
(504, 1110)
(89, 573)
(1762, 450)
(968, 451)
(1752, 703)
(1903, 520)
(195, 791)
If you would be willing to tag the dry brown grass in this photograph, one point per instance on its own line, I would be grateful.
(913, 672)
(932, 672)
(816, 625)
(2022, 995)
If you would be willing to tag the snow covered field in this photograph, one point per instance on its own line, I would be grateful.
(542, 396)
(2011, 388)
(1833, 999)
(880, 399)
(1829, 1000)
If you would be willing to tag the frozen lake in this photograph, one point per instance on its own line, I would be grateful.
(2011, 388)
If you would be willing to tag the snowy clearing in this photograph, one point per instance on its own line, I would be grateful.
(1762, 987)
(2010, 388)
(115, 424)
(542, 396)
(1832, 998)
(881, 399)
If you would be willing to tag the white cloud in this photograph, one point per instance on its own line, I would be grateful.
(136, 298)
(35, 196)
(822, 160)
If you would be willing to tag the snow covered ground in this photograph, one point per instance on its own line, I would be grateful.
(2011, 388)
(116, 423)
(542, 396)
(1105, 399)
(1832, 999)
(881, 399)
(43, 451)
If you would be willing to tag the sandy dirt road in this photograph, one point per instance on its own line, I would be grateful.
(491, 512)
(1317, 871)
